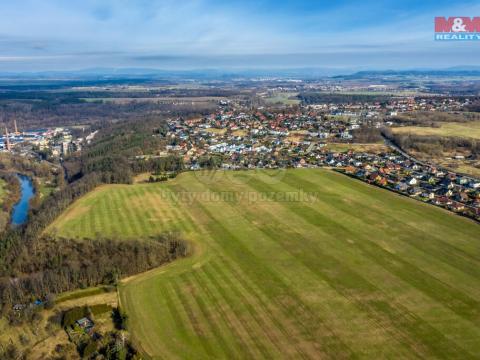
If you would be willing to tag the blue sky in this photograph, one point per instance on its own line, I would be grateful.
(187, 34)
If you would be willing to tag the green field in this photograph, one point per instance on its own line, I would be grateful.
(354, 271)
(285, 98)
(460, 129)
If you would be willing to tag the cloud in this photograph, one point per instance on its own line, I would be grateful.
(195, 32)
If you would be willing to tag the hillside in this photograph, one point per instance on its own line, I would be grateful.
(307, 263)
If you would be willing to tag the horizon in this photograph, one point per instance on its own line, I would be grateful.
(56, 35)
(237, 73)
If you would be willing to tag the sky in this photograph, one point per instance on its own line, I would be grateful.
(63, 35)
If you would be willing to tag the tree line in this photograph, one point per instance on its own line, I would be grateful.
(32, 265)
(434, 145)
(9, 198)
(56, 265)
(309, 98)
(433, 119)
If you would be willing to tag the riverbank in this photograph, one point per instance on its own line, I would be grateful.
(21, 208)
(10, 194)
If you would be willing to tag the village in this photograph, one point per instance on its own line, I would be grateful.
(239, 139)
(430, 184)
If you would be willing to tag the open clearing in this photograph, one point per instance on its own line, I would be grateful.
(285, 98)
(460, 129)
(354, 271)
(357, 147)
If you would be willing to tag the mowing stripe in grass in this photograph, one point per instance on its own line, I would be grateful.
(163, 209)
(91, 223)
(332, 344)
(427, 254)
(173, 216)
(320, 263)
(120, 219)
(360, 272)
(219, 337)
(277, 237)
(345, 280)
(240, 330)
(465, 234)
(197, 324)
(109, 227)
(160, 211)
(186, 223)
(178, 317)
(429, 243)
(132, 214)
(102, 210)
(175, 314)
(271, 306)
(140, 211)
(257, 310)
(335, 229)
(245, 314)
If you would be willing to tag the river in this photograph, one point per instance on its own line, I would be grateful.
(20, 209)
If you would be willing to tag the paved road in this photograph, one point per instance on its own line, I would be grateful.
(397, 149)
(423, 163)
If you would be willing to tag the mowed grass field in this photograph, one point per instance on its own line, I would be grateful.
(354, 271)
(467, 129)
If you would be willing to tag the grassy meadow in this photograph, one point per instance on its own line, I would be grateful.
(285, 98)
(303, 263)
(358, 147)
(459, 129)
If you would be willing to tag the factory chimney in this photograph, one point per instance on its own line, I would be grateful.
(8, 139)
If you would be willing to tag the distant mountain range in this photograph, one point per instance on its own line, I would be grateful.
(146, 74)
(459, 71)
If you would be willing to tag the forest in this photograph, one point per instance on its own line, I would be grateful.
(33, 266)
(10, 195)
(433, 145)
(38, 109)
(432, 119)
(309, 98)
(55, 265)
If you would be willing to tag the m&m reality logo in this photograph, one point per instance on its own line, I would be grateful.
(460, 28)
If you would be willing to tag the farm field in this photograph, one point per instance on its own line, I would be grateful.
(357, 147)
(286, 98)
(459, 129)
(303, 263)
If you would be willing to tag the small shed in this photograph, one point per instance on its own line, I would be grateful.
(86, 324)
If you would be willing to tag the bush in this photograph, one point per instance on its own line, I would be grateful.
(49, 302)
(120, 319)
(10, 353)
(88, 349)
(72, 315)
(24, 340)
(100, 309)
